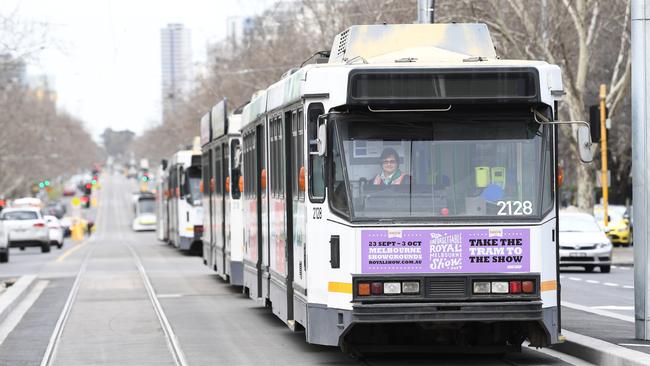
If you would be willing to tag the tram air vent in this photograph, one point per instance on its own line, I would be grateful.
(447, 288)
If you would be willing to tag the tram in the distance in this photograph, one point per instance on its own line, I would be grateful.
(406, 191)
(184, 209)
(221, 161)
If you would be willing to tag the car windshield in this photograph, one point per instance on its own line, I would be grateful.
(578, 224)
(20, 215)
(405, 166)
(146, 205)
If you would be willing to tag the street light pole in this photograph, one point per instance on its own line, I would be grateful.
(426, 11)
(641, 163)
(603, 153)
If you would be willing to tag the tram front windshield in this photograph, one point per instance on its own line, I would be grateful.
(194, 186)
(147, 205)
(405, 167)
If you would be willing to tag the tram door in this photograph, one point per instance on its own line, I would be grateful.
(288, 212)
(223, 175)
(262, 210)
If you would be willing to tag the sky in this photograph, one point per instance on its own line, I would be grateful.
(104, 58)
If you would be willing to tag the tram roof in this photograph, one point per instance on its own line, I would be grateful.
(434, 46)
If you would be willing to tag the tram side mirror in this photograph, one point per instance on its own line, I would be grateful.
(163, 162)
(584, 144)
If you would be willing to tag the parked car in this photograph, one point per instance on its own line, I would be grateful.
(55, 230)
(56, 209)
(618, 229)
(26, 228)
(583, 243)
(4, 244)
(66, 223)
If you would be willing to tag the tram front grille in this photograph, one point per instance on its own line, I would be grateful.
(447, 288)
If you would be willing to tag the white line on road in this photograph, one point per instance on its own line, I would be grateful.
(169, 296)
(12, 320)
(592, 281)
(611, 284)
(598, 311)
(628, 286)
(634, 344)
(613, 307)
(575, 279)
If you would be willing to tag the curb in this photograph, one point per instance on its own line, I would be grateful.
(600, 352)
(15, 294)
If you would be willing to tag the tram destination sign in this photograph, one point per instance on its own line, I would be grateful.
(445, 251)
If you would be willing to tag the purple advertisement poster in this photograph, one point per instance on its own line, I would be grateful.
(445, 251)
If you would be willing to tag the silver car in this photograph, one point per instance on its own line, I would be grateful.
(583, 243)
(26, 227)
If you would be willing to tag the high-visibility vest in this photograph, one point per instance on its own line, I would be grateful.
(379, 181)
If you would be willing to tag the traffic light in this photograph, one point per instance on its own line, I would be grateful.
(46, 182)
(594, 122)
(41, 185)
(145, 178)
(88, 188)
(85, 201)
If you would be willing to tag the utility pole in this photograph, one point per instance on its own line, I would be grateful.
(603, 153)
(641, 163)
(426, 11)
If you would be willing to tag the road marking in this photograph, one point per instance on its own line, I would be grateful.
(598, 311)
(592, 281)
(63, 256)
(575, 279)
(12, 320)
(610, 284)
(169, 296)
(634, 344)
(613, 307)
(628, 286)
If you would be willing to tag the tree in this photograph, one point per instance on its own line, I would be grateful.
(588, 39)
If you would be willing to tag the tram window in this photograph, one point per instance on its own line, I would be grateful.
(235, 164)
(316, 163)
(301, 153)
(339, 199)
(294, 155)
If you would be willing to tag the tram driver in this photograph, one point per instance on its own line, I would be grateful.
(390, 173)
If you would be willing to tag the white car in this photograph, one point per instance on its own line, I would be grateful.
(583, 243)
(4, 244)
(55, 230)
(26, 228)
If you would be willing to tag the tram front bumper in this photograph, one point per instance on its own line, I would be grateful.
(447, 312)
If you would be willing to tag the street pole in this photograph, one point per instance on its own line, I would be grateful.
(426, 11)
(603, 153)
(641, 163)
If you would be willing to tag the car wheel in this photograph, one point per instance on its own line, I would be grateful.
(45, 248)
(22, 248)
(589, 269)
(59, 245)
(4, 256)
(605, 269)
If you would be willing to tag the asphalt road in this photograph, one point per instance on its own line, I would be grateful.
(124, 298)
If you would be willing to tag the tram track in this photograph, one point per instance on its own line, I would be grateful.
(170, 336)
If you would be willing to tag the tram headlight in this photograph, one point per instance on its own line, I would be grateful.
(411, 287)
(500, 287)
(481, 287)
(392, 288)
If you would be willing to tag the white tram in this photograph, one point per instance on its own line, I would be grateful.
(221, 158)
(406, 191)
(184, 203)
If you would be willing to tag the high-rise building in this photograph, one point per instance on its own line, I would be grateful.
(12, 71)
(176, 62)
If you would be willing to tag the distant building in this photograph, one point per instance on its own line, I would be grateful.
(12, 71)
(176, 62)
(237, 29)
